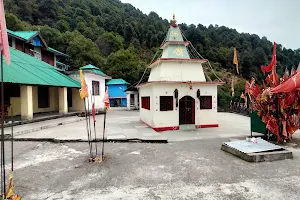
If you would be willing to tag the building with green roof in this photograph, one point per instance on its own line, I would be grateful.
(32, 43)
(95, 80)
(32, 84)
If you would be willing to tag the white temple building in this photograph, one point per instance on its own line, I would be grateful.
(177, 95)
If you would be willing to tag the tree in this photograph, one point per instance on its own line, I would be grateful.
(120, 30)
(123, 64)
(128, 32)
(13, 23)
(154, 41)
(84, 51)
(109, 42)
(62, 22)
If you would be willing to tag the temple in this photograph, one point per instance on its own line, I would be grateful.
(177, 95)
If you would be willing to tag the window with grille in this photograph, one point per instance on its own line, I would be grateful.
(205, 102)
(166, 103)
(146, 103)
(95, 85)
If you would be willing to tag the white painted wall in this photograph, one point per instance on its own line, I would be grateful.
(157, 118)
(177, 71)
(99, 104)
(147, 115)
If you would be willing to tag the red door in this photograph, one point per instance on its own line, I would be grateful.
(187, 110)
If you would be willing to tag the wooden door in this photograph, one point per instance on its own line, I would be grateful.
(187, 110)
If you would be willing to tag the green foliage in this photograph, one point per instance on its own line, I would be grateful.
(14, 23)
(84, 51)
(123, 64)
(109, 42)
(120, 39)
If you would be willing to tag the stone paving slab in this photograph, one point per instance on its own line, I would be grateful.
(127, 124)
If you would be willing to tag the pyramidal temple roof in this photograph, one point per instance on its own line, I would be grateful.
(179, 62)
(174, 46)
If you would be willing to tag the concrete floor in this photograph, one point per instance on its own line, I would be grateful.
(178, 170)
(190, 166)
(126, 125)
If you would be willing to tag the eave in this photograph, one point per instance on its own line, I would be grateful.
(181, 82)
(33, 36)
(156, 62)
(166, 43)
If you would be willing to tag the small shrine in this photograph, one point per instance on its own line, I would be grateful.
(177, 94)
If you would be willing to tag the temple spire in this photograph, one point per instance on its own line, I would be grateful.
(173, 20)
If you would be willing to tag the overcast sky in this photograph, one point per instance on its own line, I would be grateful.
(278, 20)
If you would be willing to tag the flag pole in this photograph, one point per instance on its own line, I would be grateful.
(95, 126)
(2, 126)
(87, 127)
(12, 140)
(104, 122)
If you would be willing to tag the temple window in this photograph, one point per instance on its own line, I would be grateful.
(166, 103)
(146, 103)
(205, 102)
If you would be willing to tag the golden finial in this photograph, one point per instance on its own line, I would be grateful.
(173, 20)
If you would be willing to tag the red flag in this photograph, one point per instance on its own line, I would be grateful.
(289, 85)
(286, 74)
(94, 112)
(247, 86)
(272, 63)
(4, 46)
(273, 127)
(106, 99)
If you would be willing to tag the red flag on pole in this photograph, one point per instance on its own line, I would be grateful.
(94, 112)
(4, 46)
(106, 99)
(272, 63)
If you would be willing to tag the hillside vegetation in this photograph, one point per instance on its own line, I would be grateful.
(121, 40)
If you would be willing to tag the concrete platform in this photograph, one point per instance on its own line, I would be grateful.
(262, 151)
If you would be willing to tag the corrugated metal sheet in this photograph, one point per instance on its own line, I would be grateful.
(93, 69)
(117, 82)
(57, 52)
(26, 35)
(250, 147)
(27, 70)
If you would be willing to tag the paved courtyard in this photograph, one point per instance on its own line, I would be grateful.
(125, 125)
(144, 171)
(190, 166)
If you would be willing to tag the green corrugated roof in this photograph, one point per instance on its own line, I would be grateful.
(92, 69)
(117, 82)
(56, 51)
(27, 70)
(89, 67)
(60, 63)
(26, 35)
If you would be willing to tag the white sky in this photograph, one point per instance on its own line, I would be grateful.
(278, 20)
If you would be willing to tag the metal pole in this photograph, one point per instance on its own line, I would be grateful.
(90, 131)
(103, 135)
(95, 129)
(12, 140)
(2, 125)
(87, 128)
